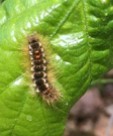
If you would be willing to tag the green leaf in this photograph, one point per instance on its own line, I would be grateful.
(79, 34)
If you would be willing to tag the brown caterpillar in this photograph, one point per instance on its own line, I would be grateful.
(40, 72)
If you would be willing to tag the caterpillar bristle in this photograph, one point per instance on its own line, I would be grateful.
(50, 96)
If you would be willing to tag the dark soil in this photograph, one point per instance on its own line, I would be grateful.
(92, 115)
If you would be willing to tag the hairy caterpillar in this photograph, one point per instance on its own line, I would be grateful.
(40, 72)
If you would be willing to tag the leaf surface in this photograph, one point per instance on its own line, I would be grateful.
(79, 33)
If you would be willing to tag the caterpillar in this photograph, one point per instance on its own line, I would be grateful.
(39, 71)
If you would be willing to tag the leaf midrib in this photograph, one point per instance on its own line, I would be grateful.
(64, 19)
(87, 36)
